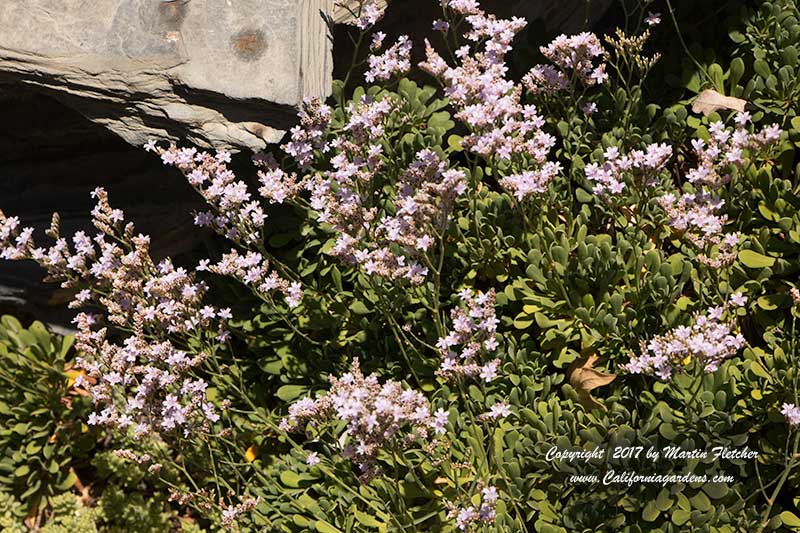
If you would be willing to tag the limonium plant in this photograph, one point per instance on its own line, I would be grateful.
(424, 279)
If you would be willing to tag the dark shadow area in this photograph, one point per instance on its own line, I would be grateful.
(51, 158)
(414, 18)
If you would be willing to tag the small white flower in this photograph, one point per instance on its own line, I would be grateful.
(312, 459)
(653, 19)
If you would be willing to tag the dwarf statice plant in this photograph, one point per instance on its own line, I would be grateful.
(638, 169)
(475, 517)
(502, 128)
(473, 334)
(379, 416)
(695, 217)
(577, 57)
(144, 382)
(395, 60)
(708, 342)
(728, 150)
(482, 268)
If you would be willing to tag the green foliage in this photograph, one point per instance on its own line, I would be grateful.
(43, 436)
(46, 444)
(576, 276)
(583, 281)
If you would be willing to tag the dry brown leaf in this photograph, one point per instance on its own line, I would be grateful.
(584, 378)
(710, 100)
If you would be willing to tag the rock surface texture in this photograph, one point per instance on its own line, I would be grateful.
(221, 73)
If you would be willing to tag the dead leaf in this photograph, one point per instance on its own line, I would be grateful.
(251, 454)
(710, 100)
(72, 373)
(584, 379)
(85, 490)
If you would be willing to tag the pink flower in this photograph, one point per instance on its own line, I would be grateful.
(792, 414)
(575, 54)
(589, 108)
(376, 415)
(395, 60)
(738, 299)
(652, 19)
(312, 459)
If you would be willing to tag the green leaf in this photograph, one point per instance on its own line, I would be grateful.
(369, 520)
(736, 72)
(325, 527)
(290, 479)
(715, 490)
(680, 517)
(583, 196)
(771, 302)
(454, 142)
(68, 482)
(650, 512)
(759, 370)
(790, 519)
(752, 259)
(287, 393)
(359, 308)
(738, 38)
(717, 75)
(762, 68)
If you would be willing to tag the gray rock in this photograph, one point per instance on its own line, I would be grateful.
(213, 73)
(221, 73)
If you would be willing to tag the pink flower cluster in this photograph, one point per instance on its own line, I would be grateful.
(234, 213)
(367, 15)
(144, 385)
(545, 79)
(574, 58)
(640, 168)
(393, 245)
(378, 416)
(709, 341)
(490, 105)
(474, 333)
(395, 60)
(792, 414)
(728, 149)
(497, 411)
(253, 270)
(427, 192)
(529, 183)
(725, 251)
(145, 381)
(473, 518)
(695, 216)
(309, 135)
(277, 186)
(232, 513)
